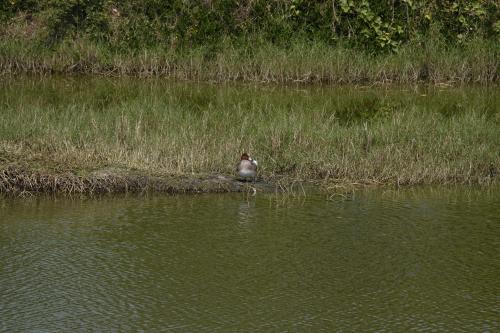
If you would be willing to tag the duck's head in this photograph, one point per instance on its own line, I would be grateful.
(247, 157)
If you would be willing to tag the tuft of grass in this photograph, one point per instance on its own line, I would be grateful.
(332, 135)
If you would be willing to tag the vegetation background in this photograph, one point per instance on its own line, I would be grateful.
(276, 40)
(90, 134)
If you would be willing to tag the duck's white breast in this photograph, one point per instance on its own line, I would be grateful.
(246, 173)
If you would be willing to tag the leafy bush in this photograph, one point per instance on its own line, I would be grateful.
(376, 26)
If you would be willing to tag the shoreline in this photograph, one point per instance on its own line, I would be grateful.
(25, 182)
(19, 182)
(384, 77)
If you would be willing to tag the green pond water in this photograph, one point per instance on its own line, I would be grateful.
(423, 259)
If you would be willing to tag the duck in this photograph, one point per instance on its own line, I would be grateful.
(247, 167)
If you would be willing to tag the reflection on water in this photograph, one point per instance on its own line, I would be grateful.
(421, 259)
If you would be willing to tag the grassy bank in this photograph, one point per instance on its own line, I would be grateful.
(303, 61)
(281, 41)
(405, 136)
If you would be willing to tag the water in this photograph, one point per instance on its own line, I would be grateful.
(380, 260)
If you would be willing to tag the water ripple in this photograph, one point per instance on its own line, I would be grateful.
(383, 261)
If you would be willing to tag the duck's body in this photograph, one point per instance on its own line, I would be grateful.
(247, 167)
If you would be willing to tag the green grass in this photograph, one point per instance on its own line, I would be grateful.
(259, 61)
(387, 135)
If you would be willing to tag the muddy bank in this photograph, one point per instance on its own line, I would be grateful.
(20, 181)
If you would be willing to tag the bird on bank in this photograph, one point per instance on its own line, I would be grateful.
(247, 167)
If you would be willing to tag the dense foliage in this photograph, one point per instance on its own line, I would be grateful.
(372, 25)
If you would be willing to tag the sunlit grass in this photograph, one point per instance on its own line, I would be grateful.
(411, 135)
(259, 61)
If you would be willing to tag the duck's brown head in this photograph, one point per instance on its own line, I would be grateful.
(245, 156)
